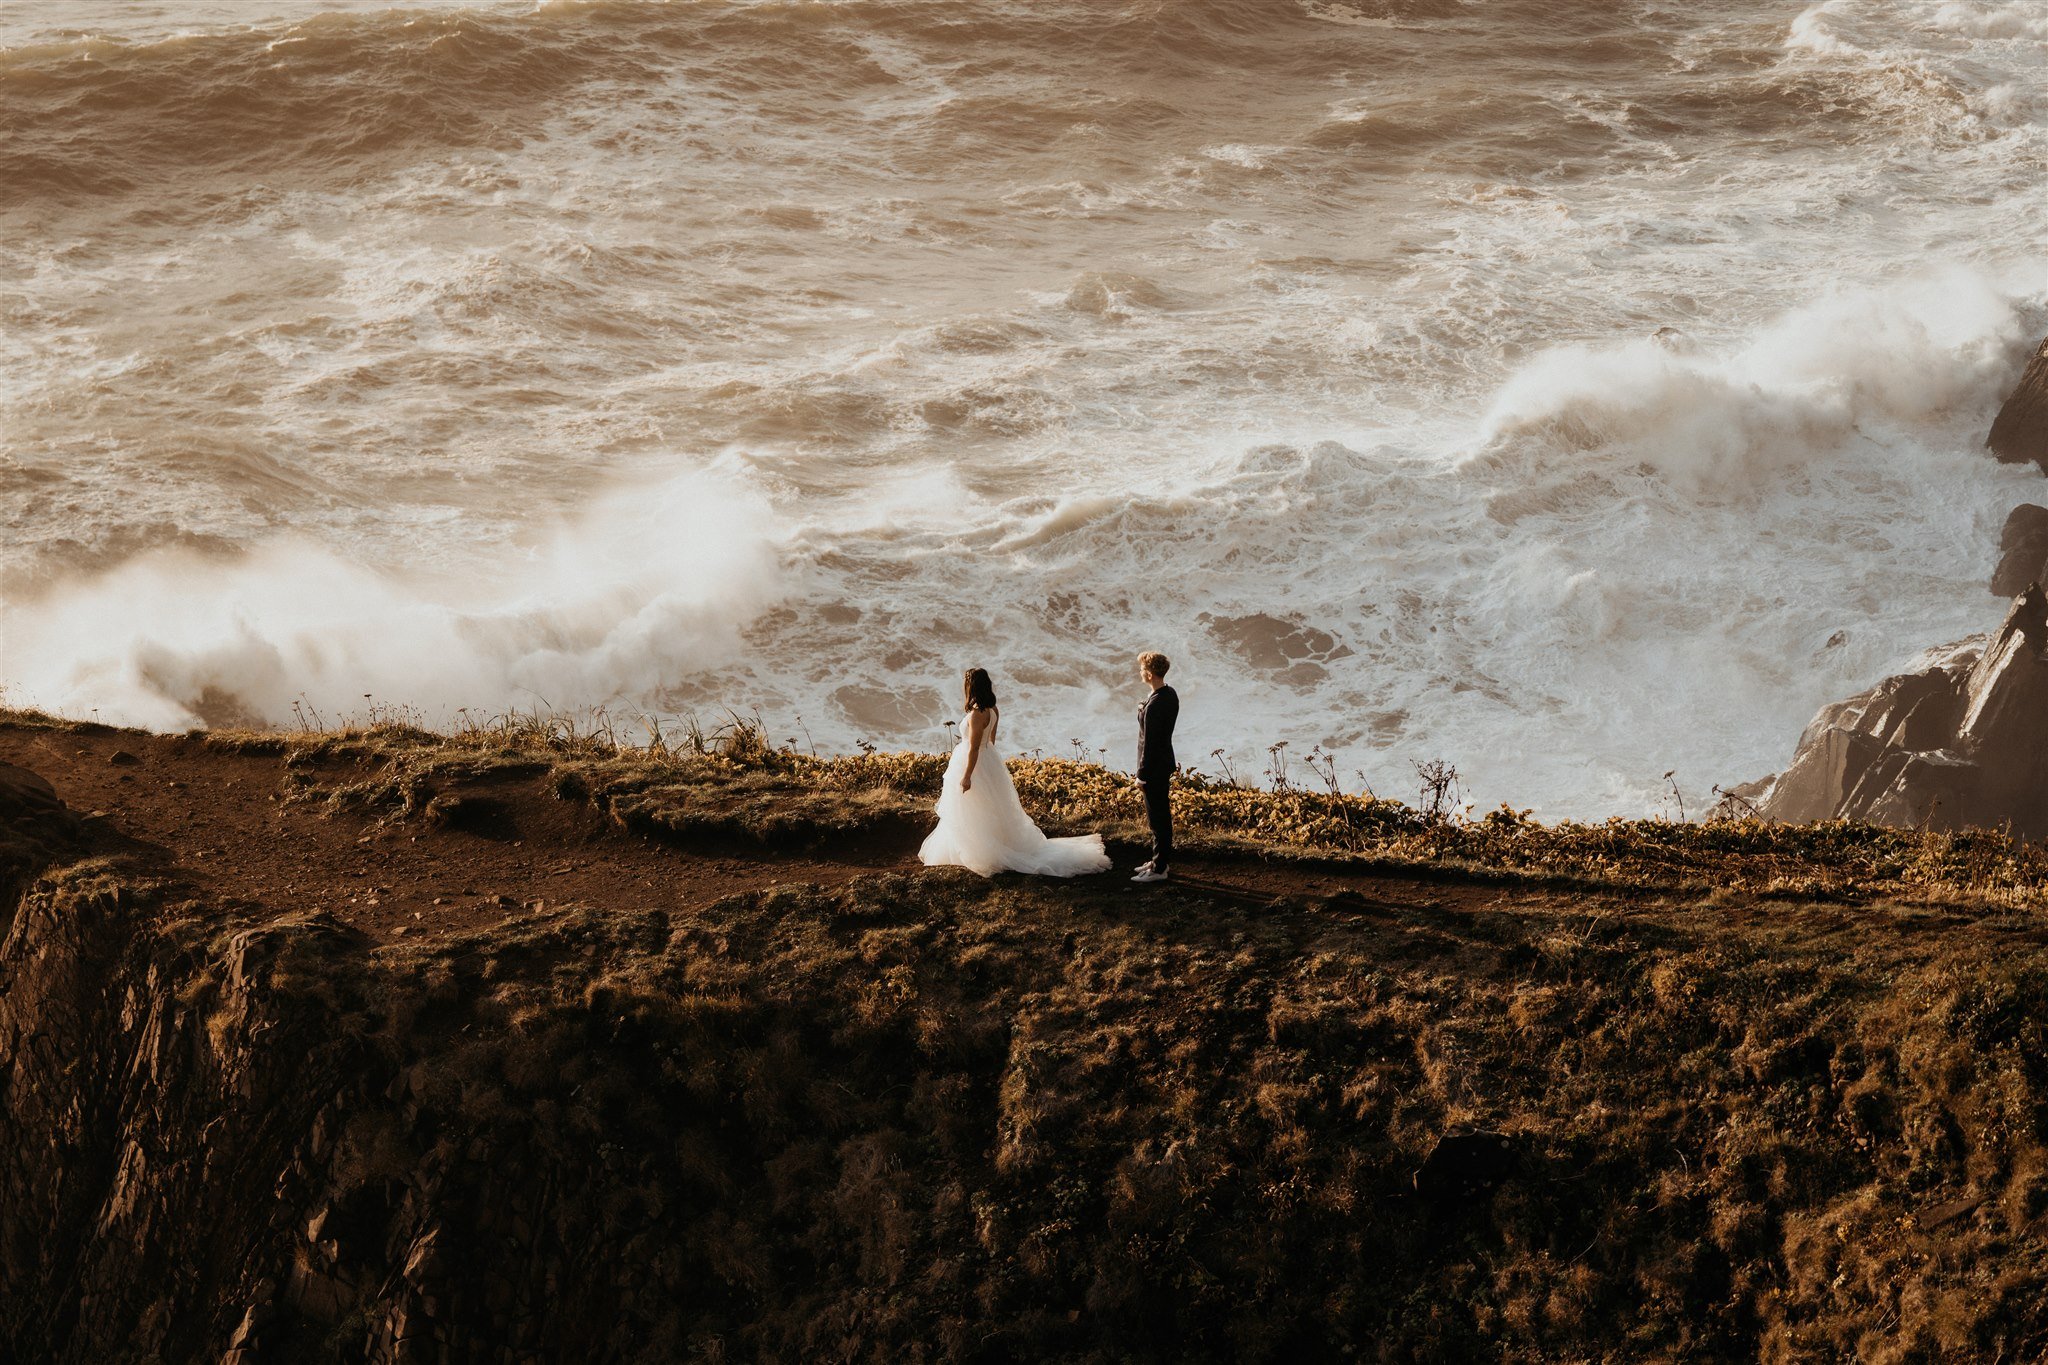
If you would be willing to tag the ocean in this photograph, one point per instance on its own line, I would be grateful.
(1573, 394)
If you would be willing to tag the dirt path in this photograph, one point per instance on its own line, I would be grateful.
(225, 821)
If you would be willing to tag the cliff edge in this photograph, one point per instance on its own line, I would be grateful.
(383, 1048)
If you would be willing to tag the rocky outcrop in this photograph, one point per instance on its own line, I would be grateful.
(2020, 432)
(2022, 550)
(1959, 744)
(1964, 741)
(34, 828)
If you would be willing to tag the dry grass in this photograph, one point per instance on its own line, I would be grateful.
(936, 1117)
(925, 1117)
(731, 784)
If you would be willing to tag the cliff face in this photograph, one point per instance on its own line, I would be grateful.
(2020, 431)
(161, 1101)
(928, 1117)
(1962, 743)
(2022, 551)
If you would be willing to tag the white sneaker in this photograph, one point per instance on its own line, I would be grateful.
(1149, 873)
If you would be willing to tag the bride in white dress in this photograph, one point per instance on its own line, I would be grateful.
(982, 826)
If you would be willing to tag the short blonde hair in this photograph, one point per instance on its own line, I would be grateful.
(1154, 663)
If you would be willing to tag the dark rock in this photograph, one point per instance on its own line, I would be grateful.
(487, 816)
(1946, 1212)
(1826, 767)
(2020, 431)
(121, 758)
(1962, 743)
(25, 795)
(1739, 802)
(2022, 550)
(1916, 788)
(34, 824)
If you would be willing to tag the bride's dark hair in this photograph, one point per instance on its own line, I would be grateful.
(980, 692)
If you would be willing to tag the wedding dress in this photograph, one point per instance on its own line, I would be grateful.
(986, 830)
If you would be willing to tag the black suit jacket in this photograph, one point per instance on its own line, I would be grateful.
(1156, 716)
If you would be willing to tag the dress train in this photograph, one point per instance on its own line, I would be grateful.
(986, 830)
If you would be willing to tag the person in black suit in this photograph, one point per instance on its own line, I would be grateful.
(1155, 762)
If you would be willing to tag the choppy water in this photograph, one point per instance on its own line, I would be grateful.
(1574, 393)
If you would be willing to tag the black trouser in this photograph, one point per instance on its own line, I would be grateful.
(1159, 815)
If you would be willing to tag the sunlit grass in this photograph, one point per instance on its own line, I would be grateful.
(727, 778)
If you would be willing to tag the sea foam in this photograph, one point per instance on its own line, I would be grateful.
(649, 584)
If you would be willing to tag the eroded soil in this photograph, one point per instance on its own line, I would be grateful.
(229, 822)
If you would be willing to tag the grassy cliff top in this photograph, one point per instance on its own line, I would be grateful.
(735, 786)
(686, 1048)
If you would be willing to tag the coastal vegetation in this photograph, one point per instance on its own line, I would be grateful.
(1370, 1084)
(732, 782)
